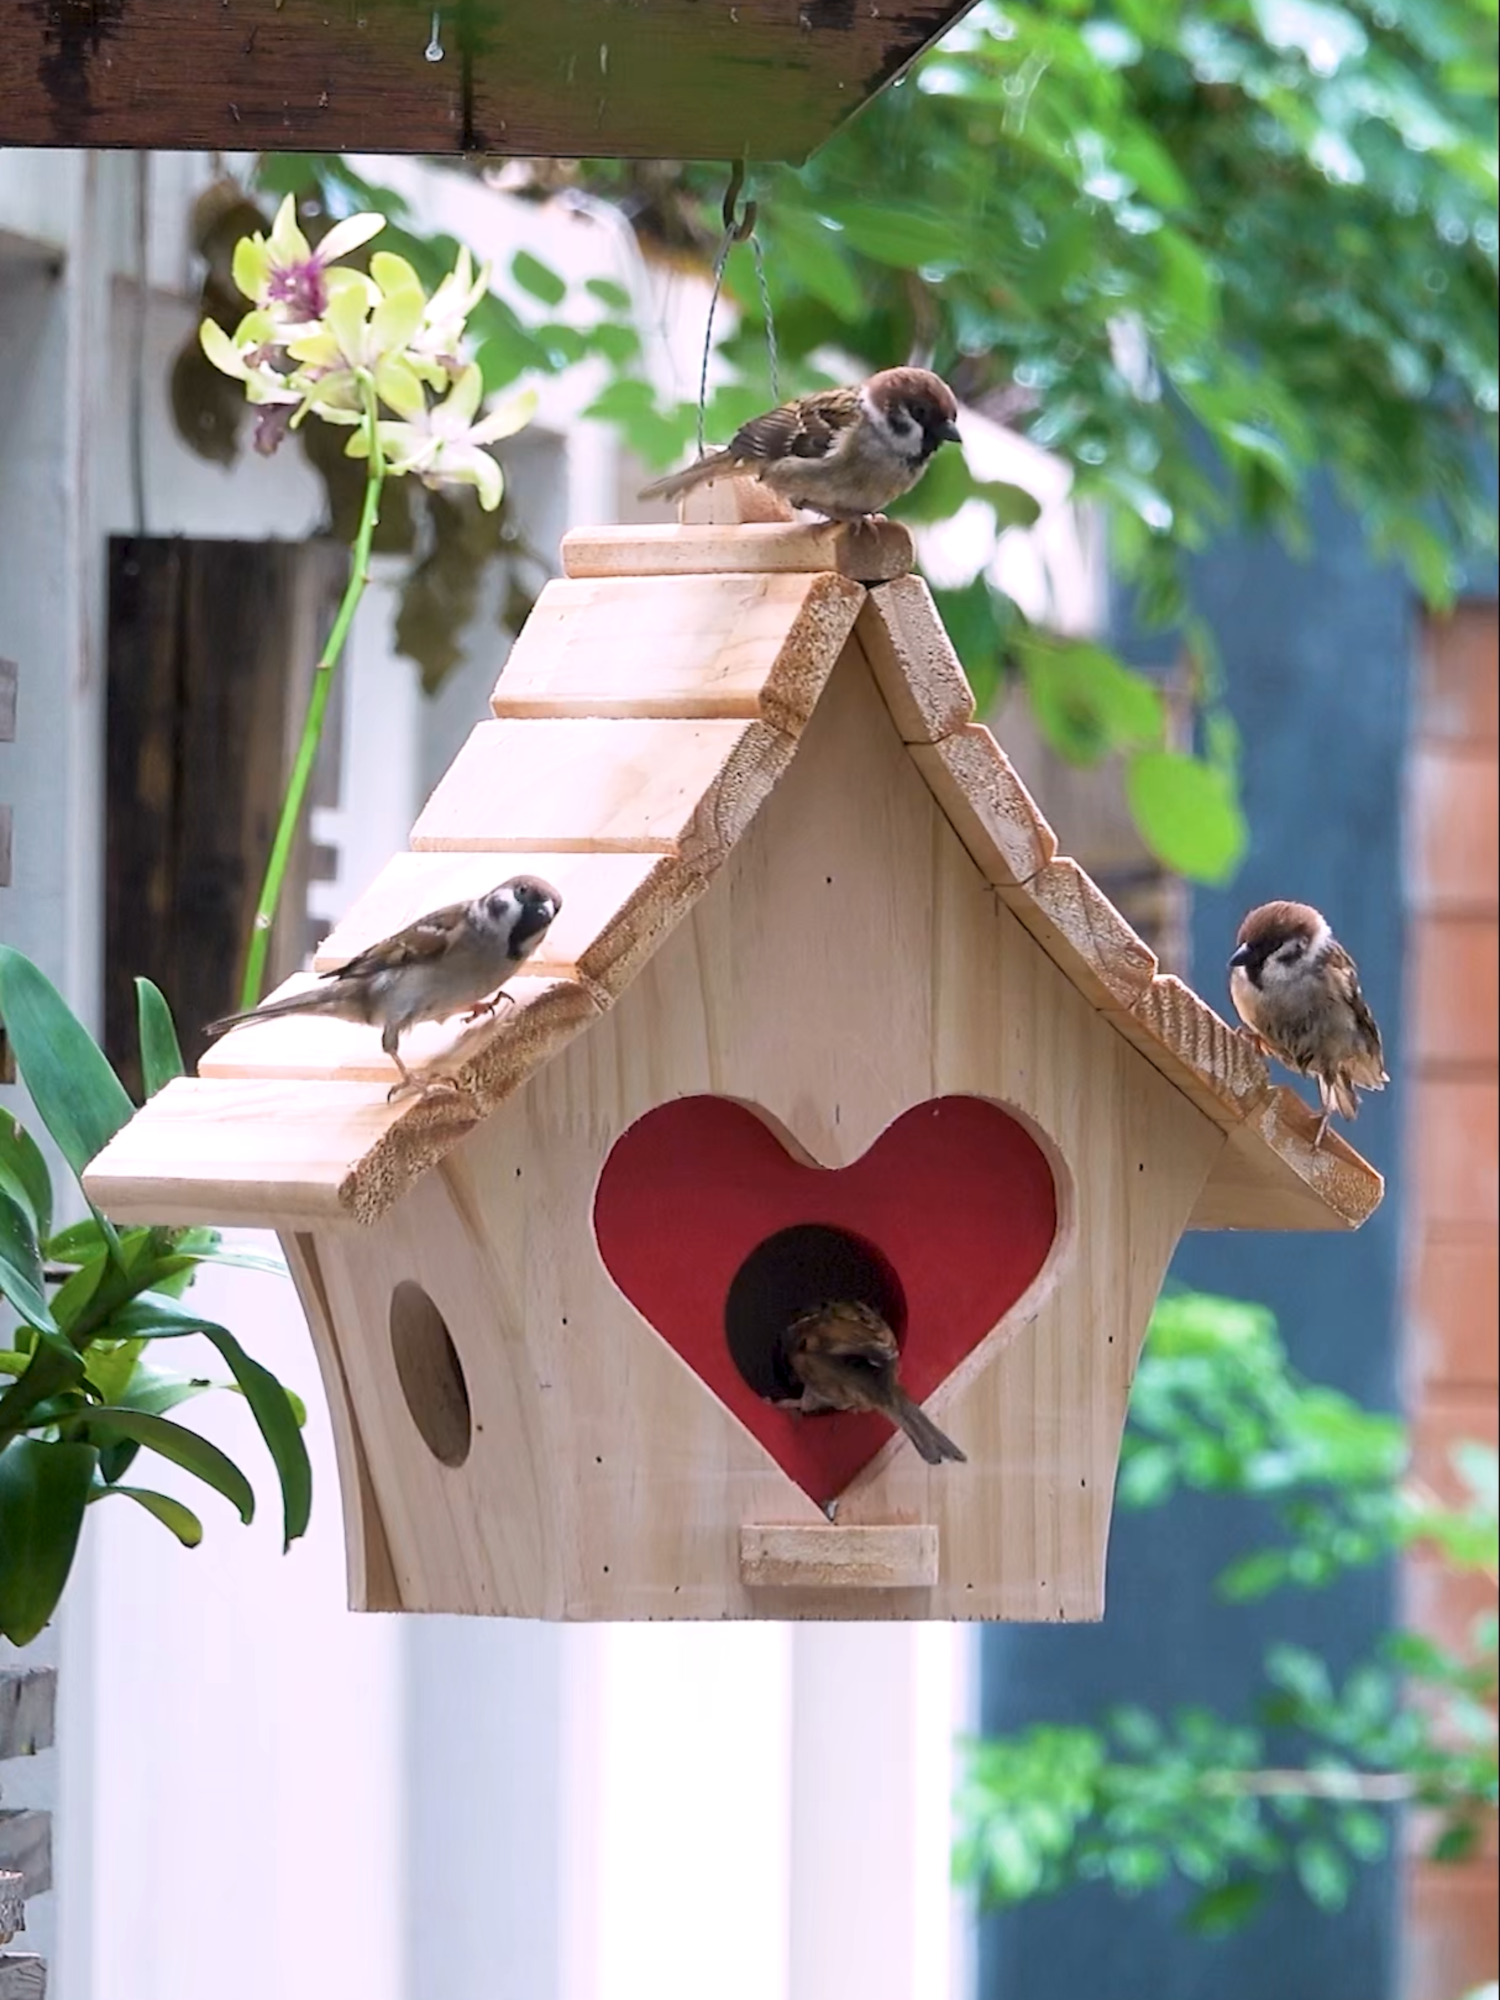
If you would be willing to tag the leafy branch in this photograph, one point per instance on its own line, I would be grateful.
(1139, 1798)
(83, 1395)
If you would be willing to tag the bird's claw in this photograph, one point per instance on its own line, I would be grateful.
(483, 1009)
(427, 1088)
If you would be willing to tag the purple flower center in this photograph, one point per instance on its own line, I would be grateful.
(300, 288)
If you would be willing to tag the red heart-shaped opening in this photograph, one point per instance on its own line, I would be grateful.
(718, 1236)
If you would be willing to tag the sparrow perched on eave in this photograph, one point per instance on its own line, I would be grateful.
(1297, 991)
(845, 1357)
(843, 453)
(442, 964)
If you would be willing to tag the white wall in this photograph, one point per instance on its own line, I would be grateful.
(259, 1792)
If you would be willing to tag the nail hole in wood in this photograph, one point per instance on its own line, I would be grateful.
(430, 1374)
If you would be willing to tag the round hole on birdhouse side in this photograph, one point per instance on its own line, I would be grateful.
(789, 1273)
(430, 1374)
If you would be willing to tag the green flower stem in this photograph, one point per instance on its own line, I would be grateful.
(317, 708)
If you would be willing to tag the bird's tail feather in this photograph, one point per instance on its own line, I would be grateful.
(677, 483)
(931, 1444)
(312, 1000)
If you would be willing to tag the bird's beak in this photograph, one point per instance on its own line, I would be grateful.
(950, 433)
(1241, 957)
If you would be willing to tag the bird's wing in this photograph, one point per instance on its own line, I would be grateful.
(429, 937)
(1368, 1068)
(809, 428)
(846, 1332)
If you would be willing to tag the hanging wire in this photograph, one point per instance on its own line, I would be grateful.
(772, 360)
(738, 228)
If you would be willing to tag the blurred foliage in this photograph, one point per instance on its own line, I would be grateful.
(1199, 249)
(1142, 1798)
(81, 1309)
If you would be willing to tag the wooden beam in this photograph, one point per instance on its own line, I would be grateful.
(869, 554)
(592, 79)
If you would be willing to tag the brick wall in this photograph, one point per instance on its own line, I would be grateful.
(1453, 1166)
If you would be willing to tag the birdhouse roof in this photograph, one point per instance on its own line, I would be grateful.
(646, 713)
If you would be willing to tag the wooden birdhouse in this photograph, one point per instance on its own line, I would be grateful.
(824, 1014)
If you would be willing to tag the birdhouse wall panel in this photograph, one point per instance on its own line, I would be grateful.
(370, 1573)
(843, 969)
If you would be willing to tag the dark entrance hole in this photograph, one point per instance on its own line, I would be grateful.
(789, 1273)
(430, 1374)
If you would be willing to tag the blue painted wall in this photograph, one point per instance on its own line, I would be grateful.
(1319, 660)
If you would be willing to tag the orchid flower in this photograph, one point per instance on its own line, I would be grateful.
(443, 445)
(290, 279)
(363, 334)
(436, 349)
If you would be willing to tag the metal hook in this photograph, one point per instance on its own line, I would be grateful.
(434, 49)
(737, 231)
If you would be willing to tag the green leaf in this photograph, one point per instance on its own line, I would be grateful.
(1087, 704)
(54, 1368)
(1324, 1872)
(618, 344)
(152, 1316)
(1220, 1911)
(77, 1095)
(183, 1522)
(533, 276)
(809, 251)
(77, 1243)
(608, 293)
(1188, 814)
(24, 1174)
(276, 1414)
(75, 1294)
(1458, 1841)
(44, 1488)
(21, 1277)
(278, 1417)
(161, 1058)
(181, 1446)
(1253, 1576)
(897, 233)
(508, 352)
